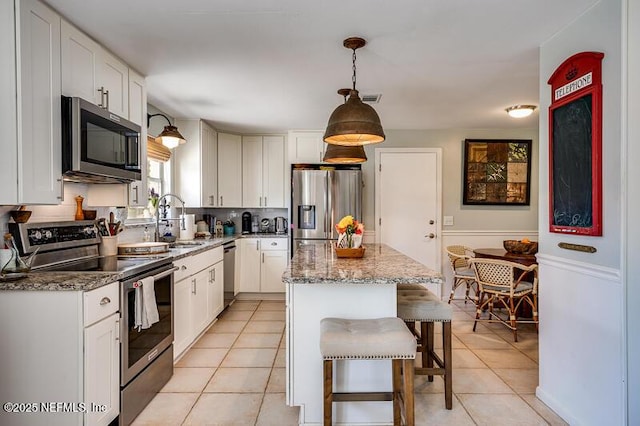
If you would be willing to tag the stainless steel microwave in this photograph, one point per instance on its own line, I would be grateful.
(98, 146)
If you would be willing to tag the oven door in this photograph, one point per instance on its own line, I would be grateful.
(140, 347)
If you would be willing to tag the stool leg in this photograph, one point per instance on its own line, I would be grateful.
(328, 391)
(408, 368)
(428, 346)
(396, 374)
(448, 370)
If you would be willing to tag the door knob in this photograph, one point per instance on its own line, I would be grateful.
(431, 235)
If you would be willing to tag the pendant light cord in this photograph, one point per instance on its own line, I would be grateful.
(353, 78)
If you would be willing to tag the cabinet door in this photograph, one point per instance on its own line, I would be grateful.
(182, 316)
(252, 175)
(273, 265)
(273, 171)
(39, 144)
(187, 163)
(113, 77)
(8, 113)
(80, 57)
(102, 370)
(209, 166)
(250, 258)
(199, 302)
(138, 114)
(306, 147)
(216, 291)
(229, 170)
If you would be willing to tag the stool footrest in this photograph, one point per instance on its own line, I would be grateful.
(362, 396)
(424, 371)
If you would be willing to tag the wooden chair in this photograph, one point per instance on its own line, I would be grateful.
(505, 283)
(459, 257)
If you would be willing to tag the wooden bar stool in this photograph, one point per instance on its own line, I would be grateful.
(417, 304)
(379, 338)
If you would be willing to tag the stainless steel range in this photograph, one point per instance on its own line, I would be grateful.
(146, 355)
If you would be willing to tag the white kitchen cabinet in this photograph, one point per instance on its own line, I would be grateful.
(229, 170)
(196, 164)
(263, 262)
(215, 292)
(198, 296)
(39, 148)
(250, 273)
(74, 353)
(138, 114)
(306, 146)
(102, 369)
(263, 171)
(8, 159)
(91, 72)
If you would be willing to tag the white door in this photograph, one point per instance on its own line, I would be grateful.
(408, 202)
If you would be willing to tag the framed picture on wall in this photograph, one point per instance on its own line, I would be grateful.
(497, 172)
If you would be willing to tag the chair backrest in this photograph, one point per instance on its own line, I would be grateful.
(459, 256)
(500, 273)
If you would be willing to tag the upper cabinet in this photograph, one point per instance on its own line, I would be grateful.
(263, 171)
(196, 164)
(92, 73)
(138, 114)
(229, 170)
(39, 146)
(306, 146)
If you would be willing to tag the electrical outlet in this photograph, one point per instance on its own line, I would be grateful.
(448, 221)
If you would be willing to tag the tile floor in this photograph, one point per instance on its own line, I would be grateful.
(235, 375)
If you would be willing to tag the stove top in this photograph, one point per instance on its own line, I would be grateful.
(126, 265)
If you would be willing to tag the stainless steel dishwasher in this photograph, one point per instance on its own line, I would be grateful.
(229, 272)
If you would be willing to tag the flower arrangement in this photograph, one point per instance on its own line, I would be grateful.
(350, 232)
(153, 201)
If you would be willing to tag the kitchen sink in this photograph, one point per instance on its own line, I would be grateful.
(185, 244)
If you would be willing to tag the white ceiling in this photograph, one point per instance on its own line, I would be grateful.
(272, 65)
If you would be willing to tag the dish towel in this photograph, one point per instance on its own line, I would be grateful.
(146, 309)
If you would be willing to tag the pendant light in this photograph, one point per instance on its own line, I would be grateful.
(170, 136)
(354, 122)
(340, 154)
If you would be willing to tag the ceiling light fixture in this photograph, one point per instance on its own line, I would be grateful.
(520, 111)
(354, 122)
(170, 136)
(340, 154)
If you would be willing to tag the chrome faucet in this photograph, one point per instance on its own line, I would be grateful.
(183, 224)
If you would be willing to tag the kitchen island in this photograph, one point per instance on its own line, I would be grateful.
(320, 285)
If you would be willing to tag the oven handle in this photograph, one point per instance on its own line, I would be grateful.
(155, 277)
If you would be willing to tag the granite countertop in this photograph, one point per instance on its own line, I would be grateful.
(90, 280)
(318, 264)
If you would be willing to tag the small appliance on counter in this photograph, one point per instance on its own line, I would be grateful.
(255, 224)
(246, 223)
(280, 225)
(265, 225)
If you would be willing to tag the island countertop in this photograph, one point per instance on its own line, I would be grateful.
(318, 264)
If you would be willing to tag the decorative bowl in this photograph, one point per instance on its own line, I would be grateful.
(349, 252)
(20, 216)
(89, 214)
(520, 247)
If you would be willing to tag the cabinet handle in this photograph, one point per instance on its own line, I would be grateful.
(260, 202)
(211, 200)
(105, 301)
(265, 201)
(193, 286)
(106, 92)
(214, 274)
(258, 245)
(262, 257)
(183, 267)
(61, 196)
(274, 243)
(221, 203)
(117, 330)
(101, 90)
(135, 189)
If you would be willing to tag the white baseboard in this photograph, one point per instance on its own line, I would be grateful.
(555, 406)
(260, 296)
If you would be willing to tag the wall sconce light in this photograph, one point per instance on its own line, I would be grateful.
(520, 111)
(340, 154)
(354, 122)
(170, 136)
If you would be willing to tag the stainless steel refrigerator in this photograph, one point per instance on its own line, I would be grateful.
(320, 198)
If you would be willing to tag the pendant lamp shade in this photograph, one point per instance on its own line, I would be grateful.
(354, 122)
(339, 154)
(170, 137)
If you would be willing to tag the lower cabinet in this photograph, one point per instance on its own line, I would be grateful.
(198, 296)
(61, 346)
(263, 262)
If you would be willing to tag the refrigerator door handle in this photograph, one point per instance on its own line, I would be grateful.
(327, 206)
